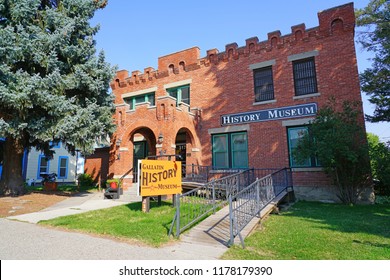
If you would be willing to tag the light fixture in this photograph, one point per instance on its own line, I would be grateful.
(160, 138)
(118, 144)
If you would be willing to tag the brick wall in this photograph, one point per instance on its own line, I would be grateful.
(222, 83)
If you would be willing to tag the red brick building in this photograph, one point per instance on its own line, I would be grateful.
(243, 107)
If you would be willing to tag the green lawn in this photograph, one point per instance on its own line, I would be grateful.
(63, 188)
(306, 231)
(125, 221)
(319, 231)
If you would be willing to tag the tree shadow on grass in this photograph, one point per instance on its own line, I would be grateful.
(368, 219)
(137, 206)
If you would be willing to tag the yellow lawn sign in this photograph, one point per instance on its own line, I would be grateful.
(159, 177)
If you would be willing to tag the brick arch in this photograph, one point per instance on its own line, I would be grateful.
(189, 135)
(147, 133)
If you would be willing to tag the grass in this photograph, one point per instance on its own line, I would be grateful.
(63, 188)
(306, 231)
(320, 231)
(125, 221)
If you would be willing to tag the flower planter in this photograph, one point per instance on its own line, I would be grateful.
(114, 185)
(50, 186)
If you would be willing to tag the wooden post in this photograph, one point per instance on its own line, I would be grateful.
(145, 204)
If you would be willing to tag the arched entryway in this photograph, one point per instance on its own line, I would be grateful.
(184, 142)
(144, 145)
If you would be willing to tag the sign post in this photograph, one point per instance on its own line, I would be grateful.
(156, 178)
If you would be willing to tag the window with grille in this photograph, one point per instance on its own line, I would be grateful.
(305, 80)
(264, 85)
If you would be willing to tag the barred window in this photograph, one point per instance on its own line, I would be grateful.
(305, 80)
(264, 85)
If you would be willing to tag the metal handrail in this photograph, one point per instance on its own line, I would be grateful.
(248, 202)
(198, 203)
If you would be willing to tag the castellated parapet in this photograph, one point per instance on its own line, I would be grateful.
(337, 19)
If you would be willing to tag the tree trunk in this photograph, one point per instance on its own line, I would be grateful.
(12, 178)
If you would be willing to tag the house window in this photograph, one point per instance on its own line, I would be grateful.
(43, 166)
(305, 80)
(264, 85)
(182, 94)
(230, 150)
(63, 167)
(135, 100)
(294, 135)
(55, 144)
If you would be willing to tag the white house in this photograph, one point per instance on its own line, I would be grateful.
(62, 163)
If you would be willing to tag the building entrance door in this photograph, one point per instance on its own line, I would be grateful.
(140, 152)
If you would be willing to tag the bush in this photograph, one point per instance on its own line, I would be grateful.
(85, 180)
(382, 199)
(337, 138)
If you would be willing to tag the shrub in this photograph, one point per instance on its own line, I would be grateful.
(85, 180)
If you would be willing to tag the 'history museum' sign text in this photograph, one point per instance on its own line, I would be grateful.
(297, 111)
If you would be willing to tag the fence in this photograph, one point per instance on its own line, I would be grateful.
(198, 203)
(203, 174)
(248, 202)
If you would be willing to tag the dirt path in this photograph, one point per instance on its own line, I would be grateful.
(28, 203)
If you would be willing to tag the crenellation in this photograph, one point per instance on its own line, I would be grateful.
(251, 44)
(343, 13)
(193, 67)
(331, 21)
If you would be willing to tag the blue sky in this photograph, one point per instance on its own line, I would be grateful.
(133, 34)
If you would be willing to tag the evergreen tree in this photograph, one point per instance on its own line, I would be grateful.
(375, 80)
(53, 86)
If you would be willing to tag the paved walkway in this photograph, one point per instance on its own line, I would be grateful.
(207, 240)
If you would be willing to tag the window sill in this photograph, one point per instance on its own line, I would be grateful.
(265, 102)
(307, 169)
(307, 96)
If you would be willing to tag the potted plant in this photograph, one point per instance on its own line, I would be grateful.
(49, 181)
(113, 183)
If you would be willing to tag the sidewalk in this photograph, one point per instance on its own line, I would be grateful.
(207, 240)
(77, 204)
(187, 248)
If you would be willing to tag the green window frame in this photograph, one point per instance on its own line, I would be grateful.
(294, 134)
(230, 150)
(135, 100)
(182, 94)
